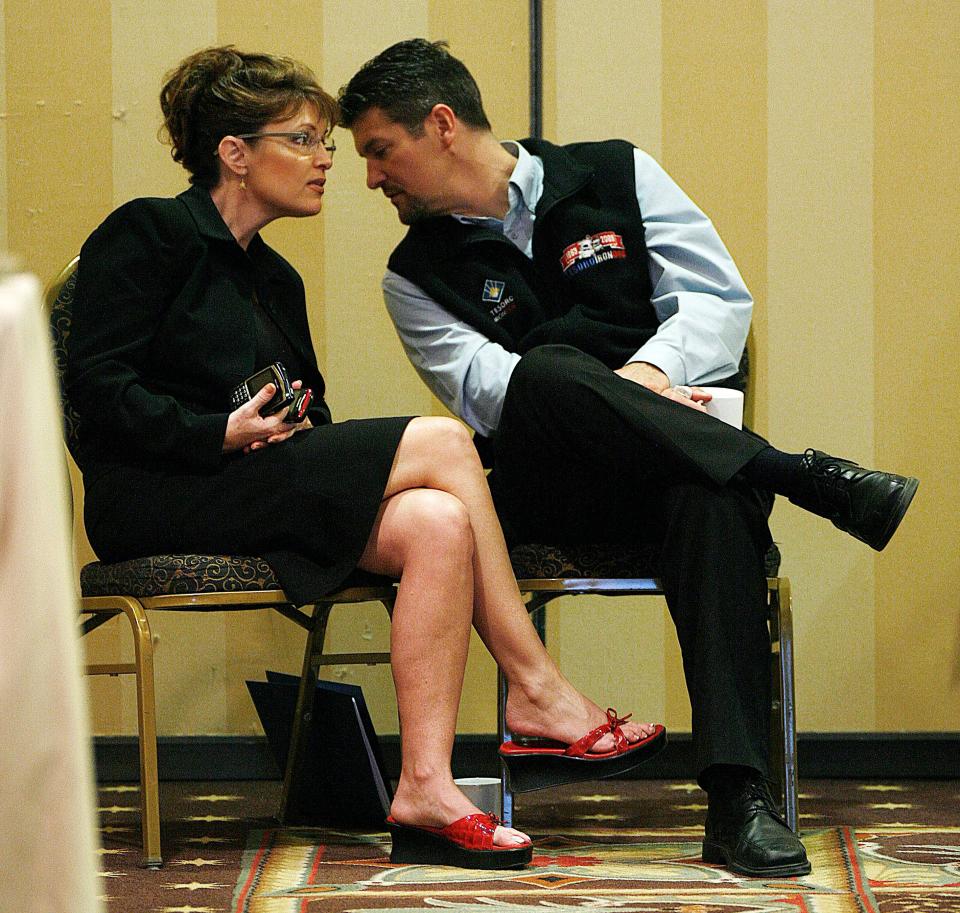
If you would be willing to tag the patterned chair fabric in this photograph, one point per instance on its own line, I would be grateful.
(61, 316)
(168, 575)
(598, 561)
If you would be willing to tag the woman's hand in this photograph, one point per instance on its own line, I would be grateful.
(247, 430)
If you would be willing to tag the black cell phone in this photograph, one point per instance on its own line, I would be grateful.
(296, 402)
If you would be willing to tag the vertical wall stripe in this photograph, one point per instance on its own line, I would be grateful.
(917, 324)
(57, 173)
(714, 108)
(193, 653)
(295, 29)
(142, 165)
(253, 642)
(610, 648)
(472, 30)
(621, 100)
(492, 39)
(820, 125)
(362, 229)
(58, 139)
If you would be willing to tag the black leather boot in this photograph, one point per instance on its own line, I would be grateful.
(866, 503)
(745, 833)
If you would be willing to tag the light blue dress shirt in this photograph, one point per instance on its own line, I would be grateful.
(701, 301)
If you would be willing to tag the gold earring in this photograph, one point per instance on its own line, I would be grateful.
(243, 183)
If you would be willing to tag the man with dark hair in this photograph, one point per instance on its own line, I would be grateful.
(561, 300)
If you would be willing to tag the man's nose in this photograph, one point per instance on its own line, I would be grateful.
(374, 175)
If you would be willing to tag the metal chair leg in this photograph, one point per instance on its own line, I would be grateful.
(147, 729)
(506, 795)
(788, 709)
(292, 779)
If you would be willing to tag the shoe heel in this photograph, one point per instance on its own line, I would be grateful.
(412, 847)
(527, 775)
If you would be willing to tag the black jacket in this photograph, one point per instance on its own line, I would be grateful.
(163, 330)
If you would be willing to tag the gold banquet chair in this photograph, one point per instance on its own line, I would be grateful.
(195, 583)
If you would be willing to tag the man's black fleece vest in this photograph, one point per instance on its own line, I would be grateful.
(588, 284)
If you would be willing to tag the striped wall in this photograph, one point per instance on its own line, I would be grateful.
(821, 139)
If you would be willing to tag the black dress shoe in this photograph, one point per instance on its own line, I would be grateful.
(866, 503)
(744, 833)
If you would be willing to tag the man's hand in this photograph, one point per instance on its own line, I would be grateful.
(651, 377)
(645, 374)
(247, 430)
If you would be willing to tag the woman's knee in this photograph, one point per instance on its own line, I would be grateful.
(444, 441)
(437, 520)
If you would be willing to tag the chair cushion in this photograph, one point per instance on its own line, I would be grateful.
(536, 561)
(166, 575)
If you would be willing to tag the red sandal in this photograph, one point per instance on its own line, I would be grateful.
(540, 763)
(467, 843)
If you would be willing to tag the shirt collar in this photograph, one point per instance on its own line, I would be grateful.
(526, 182)
(524, 190)
(210, 223)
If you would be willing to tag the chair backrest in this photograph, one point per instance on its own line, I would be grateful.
(58, 300)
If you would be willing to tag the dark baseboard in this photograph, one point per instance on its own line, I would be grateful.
(910, 755)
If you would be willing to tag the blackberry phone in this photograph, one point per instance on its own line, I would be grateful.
(296, 402)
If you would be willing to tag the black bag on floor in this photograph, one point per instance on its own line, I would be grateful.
(344, 781)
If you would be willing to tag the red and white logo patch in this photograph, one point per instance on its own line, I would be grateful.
(593, 249)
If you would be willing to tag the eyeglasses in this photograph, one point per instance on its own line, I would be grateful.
(306, 144)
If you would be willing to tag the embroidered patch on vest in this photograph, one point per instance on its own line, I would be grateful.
(593, 249)
(493, 294)
(492, 290)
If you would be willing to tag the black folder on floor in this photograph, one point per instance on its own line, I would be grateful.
(344, 779)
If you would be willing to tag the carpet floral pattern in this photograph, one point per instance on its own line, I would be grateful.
(629, 846)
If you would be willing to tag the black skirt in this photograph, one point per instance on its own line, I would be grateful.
(306, 505)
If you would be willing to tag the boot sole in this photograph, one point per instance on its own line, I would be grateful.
(719, 854)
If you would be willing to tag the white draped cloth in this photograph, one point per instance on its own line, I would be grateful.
(47, 814)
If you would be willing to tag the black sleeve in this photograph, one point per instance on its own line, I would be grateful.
(130, 269)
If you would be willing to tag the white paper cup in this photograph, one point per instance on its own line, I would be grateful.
(726, 405)
(484, 792)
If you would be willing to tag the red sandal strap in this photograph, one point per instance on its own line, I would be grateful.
(582, 746)
(473, 832)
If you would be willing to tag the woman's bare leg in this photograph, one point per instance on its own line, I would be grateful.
(437, 453)
(424, 537)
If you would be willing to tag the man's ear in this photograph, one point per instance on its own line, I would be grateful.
(232, 152)
(443, 119)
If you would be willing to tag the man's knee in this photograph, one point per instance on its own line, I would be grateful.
(548, 376)
(548, 361)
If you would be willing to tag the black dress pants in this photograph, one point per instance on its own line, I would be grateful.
(583, 455)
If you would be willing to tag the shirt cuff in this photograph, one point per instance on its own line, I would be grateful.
(665, 358)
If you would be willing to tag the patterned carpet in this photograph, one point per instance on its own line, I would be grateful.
(626, 846)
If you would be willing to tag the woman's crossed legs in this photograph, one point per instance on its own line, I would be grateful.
(438, 532)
